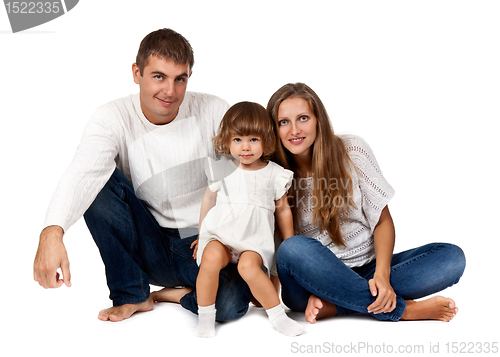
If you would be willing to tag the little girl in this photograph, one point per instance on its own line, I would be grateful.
(239, 229)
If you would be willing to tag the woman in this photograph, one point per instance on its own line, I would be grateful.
(341, 259)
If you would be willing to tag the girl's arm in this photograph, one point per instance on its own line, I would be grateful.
(284, 218)
(207, 204)
(380, 286)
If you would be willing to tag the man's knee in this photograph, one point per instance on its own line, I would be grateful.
(233, 295)
(230, 312)
(105, 199)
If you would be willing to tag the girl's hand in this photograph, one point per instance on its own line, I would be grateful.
(386, 297)
(195, 245)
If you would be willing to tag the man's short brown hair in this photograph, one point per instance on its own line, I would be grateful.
(165, 44)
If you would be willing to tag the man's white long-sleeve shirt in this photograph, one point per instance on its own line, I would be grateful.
(165, 163)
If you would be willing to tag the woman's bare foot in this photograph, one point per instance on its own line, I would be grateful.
(120, 313)
(318, 308)
(435, 308)
(170, 294)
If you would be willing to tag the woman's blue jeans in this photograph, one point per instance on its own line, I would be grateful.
(136, 251)
(306, 267)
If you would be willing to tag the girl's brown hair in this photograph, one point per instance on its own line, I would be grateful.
(332, 183)
(246, 118)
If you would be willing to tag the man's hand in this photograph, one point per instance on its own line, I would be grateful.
(50, 256)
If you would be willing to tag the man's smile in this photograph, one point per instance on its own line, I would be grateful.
(165, 102)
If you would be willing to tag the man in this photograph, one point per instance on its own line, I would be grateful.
(138, 179)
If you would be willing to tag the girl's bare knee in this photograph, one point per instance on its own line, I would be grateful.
(215, 256)
(249, 265)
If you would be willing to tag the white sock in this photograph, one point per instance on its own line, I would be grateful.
(206, 321)
(283, 323)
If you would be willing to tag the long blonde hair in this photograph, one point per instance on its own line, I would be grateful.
(332, 182)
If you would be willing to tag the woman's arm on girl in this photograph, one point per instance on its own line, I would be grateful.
(284, 218)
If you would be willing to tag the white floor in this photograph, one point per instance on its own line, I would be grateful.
(63, 322)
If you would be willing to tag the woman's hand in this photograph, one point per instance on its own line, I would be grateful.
(380, 287)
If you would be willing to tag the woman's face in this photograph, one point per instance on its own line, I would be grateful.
(297, 126)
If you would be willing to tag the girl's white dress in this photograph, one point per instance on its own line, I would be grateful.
(243, 217)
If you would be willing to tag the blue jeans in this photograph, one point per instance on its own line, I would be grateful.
(136, 251)
(306, 267)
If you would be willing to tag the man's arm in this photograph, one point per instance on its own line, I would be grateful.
(89, 171)
(50, 256)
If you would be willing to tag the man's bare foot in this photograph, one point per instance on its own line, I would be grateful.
(170, 294)
(120, 313)
(434, 308)
(318, 308)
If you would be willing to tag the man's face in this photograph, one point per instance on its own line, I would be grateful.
(162, 88)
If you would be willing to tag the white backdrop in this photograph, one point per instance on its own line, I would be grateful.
(419, 80)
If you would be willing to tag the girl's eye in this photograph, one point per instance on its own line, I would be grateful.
(303, 118)
(237, 140)
(283, 122)
(254, 140)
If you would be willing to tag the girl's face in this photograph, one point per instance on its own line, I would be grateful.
(247, 149)
(297, 126)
